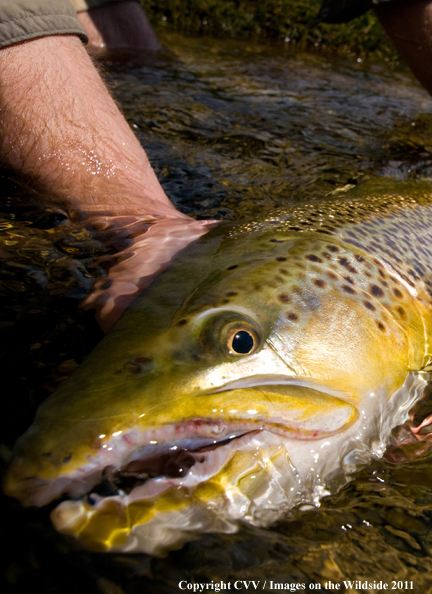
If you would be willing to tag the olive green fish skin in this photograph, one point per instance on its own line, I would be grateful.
(338, 296)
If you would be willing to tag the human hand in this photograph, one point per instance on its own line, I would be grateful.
(153, 244)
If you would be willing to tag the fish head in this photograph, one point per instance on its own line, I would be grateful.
(222, 394)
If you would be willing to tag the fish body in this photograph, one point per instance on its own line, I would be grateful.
(266, 365)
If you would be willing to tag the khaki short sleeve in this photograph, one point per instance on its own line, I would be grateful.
(21, 20)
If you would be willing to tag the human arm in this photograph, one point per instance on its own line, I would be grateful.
(61, 129)
(409, 26)
(117, 30)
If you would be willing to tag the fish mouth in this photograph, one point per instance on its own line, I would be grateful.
(192, 450)
(169, 462)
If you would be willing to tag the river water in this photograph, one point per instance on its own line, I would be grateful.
(232, 129)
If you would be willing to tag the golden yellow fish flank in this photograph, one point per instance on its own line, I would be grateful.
(270, 362)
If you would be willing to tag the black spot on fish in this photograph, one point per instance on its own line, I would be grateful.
(369, 305)
(381, 326)
(225, 301)
(277, 240)
(333, 248)
(349, 279)
(231, 294)
(281, 259)
(292, 317)
(348, 289)
(332, 275)
(321, 284)
(376, 291)
(347, 264)
(232, 267)
(401, 312)
(284, 298)
(182, 322)
(326, 255)
(357, 244)
(377, 262)
(359, 258)
(283, 271)
(67, 459)
(314, 258)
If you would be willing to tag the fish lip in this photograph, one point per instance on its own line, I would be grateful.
(255, 381)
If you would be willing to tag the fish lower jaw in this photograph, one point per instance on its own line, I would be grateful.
(163, 513)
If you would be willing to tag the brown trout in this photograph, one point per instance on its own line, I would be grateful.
(266, 365)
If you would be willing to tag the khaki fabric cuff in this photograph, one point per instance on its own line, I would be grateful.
(22, 20)
(81, 5)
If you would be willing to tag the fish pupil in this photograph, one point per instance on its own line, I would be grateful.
(243, 342)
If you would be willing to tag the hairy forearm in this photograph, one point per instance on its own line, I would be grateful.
(61, 129)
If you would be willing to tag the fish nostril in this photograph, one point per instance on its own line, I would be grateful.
(139, 365)
(142, 360)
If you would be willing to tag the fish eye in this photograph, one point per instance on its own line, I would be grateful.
(239, 338)
(232, 334)
(241, 342)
